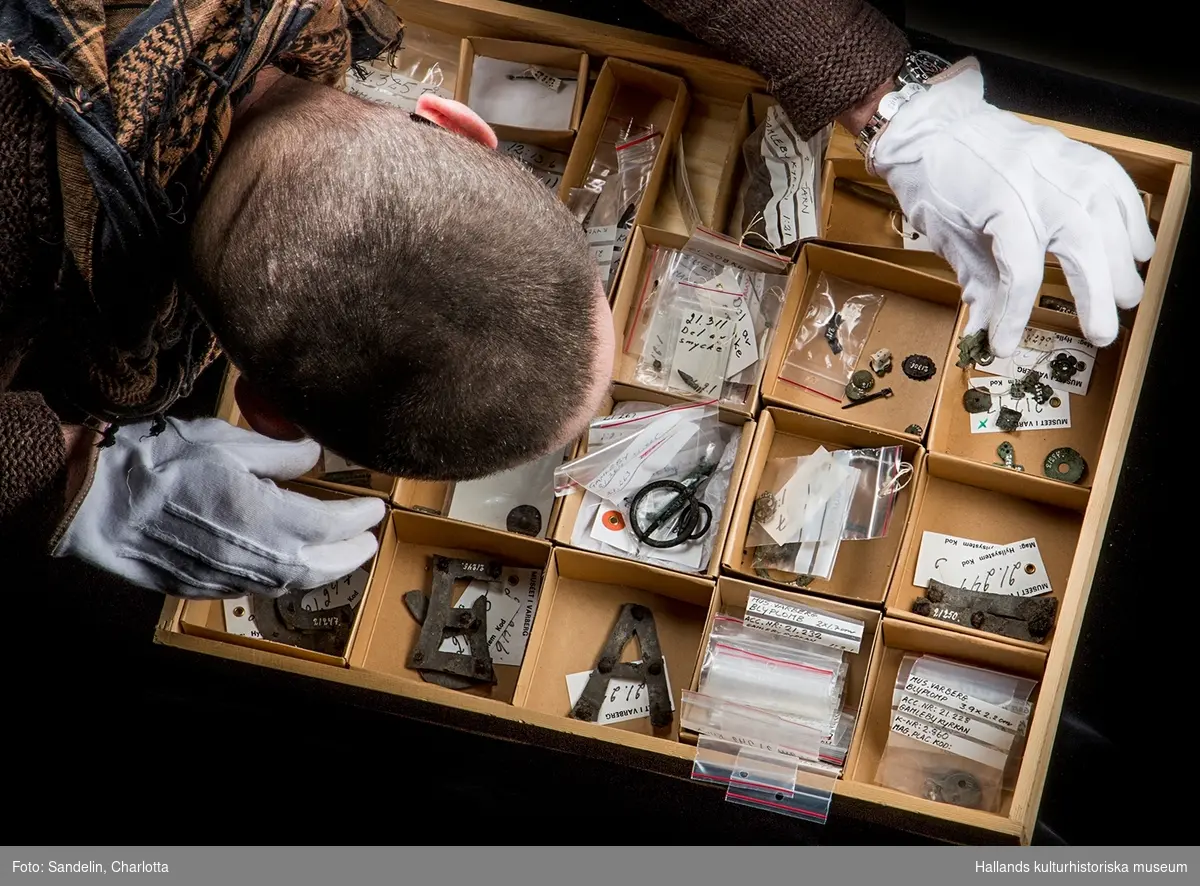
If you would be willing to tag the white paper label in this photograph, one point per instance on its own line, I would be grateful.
(948, 741)
(547, 166)
(627, 466)
(501, 614)
(611, 528)
(791, 211)
(954, 721)
(624, 700)
(346, 591)
(914, 239)
(1034, 416)
(938, 550)
(509, 648)
(602, 241)
(1038, 357)
(950, 697)
(386, 86)
(335, 464)
(1016, 570)
(803, 623)
(701, 352)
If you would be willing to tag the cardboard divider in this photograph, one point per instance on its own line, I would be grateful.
(648, 97)
(731, 599)
(968, 501)
(951, 431)
(863, 569)
(875, 720)
(632, 292)
(206, 618)
(388, 629)
(564, 525)
(918, 316)
(581, 600)
(542, 55)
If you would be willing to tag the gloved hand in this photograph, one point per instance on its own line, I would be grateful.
(994, 194)
(193, 512)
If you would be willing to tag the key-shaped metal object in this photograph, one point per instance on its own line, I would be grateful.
(886, 392)
(1008, 455)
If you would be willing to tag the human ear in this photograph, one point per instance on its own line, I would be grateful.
(456, 117)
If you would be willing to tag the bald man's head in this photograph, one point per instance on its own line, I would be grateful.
(411, 299)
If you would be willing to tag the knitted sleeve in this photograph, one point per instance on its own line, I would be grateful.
(821, 57)
(33, 475)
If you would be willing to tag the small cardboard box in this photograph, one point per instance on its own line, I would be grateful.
(206, 618)
(918, 316)
(875, 719)
(535, 54)
(581, 600)
(952, 430)
(634, 287)
(864, 568)
(409, 542)
(564, 526)
(645, 96)
(731, 599)
(967, 500)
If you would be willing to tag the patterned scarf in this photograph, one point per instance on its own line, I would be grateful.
(142, 95)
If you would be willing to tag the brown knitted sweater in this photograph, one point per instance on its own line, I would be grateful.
(820, 57)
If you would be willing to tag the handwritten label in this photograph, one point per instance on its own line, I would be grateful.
(1016, 570)
(952, 720)
(1034, 416)
(701, 352)
(938, 550)
(602, 240)
(624, 699)
(779, 617)
(546, 166)
(346, 591)
(648, 452)
(1040, 357)
(956, 699)
(384, 85)
(791, 211)
(524, 586)
(948, 741)
(502, 611)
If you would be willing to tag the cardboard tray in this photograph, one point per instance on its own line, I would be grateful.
(954, 485)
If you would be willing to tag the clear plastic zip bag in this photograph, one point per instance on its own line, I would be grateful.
(663, 500)
(831, 338)
(778, 203)
(427, 63)
(764, 779)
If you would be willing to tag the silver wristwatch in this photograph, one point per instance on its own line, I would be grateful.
(918, 68)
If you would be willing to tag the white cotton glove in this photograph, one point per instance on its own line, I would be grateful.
(994, 194)
(193, 512)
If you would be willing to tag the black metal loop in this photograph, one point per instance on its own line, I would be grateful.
(689, 509)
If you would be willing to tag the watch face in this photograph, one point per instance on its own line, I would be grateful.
(920, 66)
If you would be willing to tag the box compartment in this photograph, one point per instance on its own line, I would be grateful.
(969, 501)
(539, 54)
(206, 618)
(569, 505)
(919, 317)
(579, 608)
(875, 723)
(731, 598)
(864, 568)
(951, 432)
(389, 630)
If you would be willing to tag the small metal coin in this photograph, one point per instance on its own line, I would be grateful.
(863, 380)
(919, 367)
(1065, 464)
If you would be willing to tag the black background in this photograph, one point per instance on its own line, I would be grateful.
(116, 740)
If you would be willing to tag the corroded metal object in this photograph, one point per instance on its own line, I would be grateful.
(973, 350)
(957, 787)
(633, 620)
(919, 367)
(1008, 457)
(977, 400)
(1018, 618)
(1065, 464)
(1008, 419)
(438, 618)
(284, 620)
